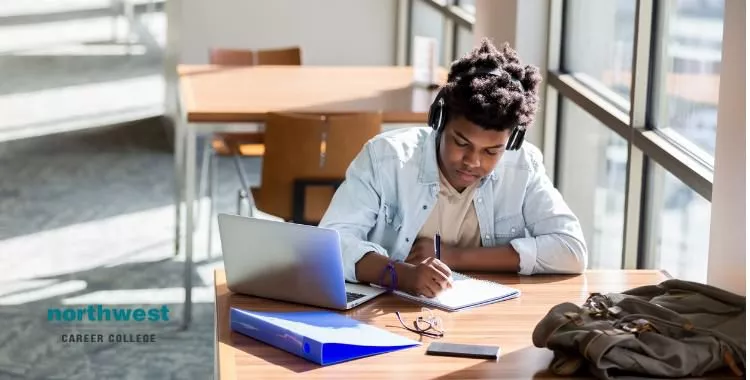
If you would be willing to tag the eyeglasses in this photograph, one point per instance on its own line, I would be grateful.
(426, 324)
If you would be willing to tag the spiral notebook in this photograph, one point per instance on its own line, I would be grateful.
(467, 292)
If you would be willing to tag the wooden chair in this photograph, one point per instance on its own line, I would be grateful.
(250, 144)
(239, 144)
(231, 57)
(306, 159)
(291, 56)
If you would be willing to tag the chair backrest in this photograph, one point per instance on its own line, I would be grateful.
(311, 152)
(231, 57)
(249, 144)
(287, 56)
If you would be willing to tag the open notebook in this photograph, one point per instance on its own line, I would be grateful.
(466, 293)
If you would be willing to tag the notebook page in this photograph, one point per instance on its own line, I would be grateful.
(467, 292)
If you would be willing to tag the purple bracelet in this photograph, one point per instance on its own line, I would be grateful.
(394, 281)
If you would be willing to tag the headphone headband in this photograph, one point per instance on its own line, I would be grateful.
(438, 113)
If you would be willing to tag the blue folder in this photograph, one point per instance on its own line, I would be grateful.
(322, 337)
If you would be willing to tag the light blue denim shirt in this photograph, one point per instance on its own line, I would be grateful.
(392, 186)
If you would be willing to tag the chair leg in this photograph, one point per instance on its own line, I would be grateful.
(213, 189)
(244, 193)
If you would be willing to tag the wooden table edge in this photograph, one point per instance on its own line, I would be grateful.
(226, 367)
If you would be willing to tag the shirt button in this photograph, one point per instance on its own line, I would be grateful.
(513, 229)
(479, 200)
(407, 240)
(424, 207)
(487, 236)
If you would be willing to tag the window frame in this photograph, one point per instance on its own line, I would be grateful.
(455, 18)
(644, 136)
(646, 144)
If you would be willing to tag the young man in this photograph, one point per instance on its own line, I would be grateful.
(493, 210)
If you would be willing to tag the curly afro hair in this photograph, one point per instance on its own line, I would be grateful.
(493, 102)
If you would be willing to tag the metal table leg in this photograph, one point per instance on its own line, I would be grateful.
(189, 222)
(179, 172)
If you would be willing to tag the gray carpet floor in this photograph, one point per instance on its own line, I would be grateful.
(87, 218)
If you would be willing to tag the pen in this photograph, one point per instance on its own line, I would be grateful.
(437, 246)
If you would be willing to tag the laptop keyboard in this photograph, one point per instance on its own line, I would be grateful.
(353, 296)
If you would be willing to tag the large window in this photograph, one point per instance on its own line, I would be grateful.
(687, 74)
(448, 22)
(632, 117)
(638, 84)
(678, 228)
(593, 183)
(426, 21)
(468, 5)
(464, 42)
(599, 43)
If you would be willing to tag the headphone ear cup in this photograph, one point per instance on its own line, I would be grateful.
(436, 113)
(431, 115)
(516, 139)
(443, 118)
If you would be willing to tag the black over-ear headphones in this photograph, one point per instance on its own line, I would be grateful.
(438, 113)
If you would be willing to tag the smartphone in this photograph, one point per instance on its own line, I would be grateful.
(464, 350)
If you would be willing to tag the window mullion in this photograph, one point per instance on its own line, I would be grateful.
(636, 183)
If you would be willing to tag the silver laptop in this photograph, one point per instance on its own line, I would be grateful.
(288, 262)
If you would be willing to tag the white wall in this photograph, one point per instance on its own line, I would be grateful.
(728, 243)
(330, 32)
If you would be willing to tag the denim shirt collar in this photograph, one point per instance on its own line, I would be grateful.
(428, 174)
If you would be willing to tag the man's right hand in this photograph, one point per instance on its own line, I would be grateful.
(429, 278)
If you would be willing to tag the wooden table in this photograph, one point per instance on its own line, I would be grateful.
(246, 94)
(508, 324)
(212, 96)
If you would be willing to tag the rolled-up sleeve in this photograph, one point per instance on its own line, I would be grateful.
(353, 211)
(556, 244)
